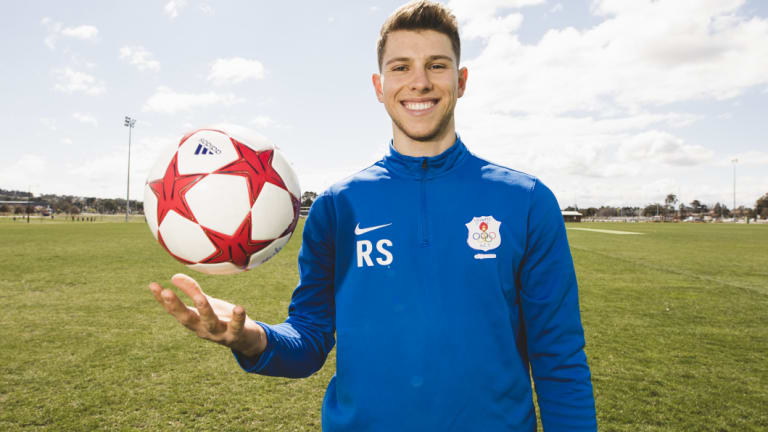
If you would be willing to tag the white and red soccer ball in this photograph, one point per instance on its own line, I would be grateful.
(222, 202)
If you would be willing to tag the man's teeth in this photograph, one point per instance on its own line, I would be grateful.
(418, 106)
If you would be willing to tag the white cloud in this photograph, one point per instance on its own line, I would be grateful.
(53, 32)
(373, 9)
(492, 25)
(263, 121)
(168, 101)
(140, 57)
(206, 9)
(478, 19)
(85, 118)
(71, 81)
(23, 171)
(49, 124)
(645, 53)
(57, 29)
(66, 141)
(556, 8)
(235, 70)
(594, 102)
(331, 19)
(83, 32)
(50, 42)
(467, 10)
(173, 7)
(663, 147)
(105, 173)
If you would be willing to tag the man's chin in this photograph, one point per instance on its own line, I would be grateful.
(422, 136)
(426, 135)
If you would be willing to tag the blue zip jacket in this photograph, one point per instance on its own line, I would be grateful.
(448, 281)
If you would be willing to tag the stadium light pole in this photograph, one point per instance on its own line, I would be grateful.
(734, 161)
(129, 123)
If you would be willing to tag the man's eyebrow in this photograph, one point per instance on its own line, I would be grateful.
(398, 59)
(440, 57)
(430, 58)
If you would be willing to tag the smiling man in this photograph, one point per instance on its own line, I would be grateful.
(447, 279)
(419, 84)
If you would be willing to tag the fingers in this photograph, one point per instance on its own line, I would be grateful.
(211, 318)
(208, 317)
(238, 321)
(156, 288)
(188, 285)
(179, 310)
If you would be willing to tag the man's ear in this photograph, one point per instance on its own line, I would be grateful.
(376, 78)
(462, 80)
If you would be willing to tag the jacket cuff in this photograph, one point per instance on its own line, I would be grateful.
(257, 363)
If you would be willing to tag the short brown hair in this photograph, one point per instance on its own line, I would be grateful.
(421, 15)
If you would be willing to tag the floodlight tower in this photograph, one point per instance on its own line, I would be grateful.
(129, 123)
(734, 161)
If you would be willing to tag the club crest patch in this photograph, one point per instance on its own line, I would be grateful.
(483, 233)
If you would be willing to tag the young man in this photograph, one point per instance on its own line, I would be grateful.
(447, 279)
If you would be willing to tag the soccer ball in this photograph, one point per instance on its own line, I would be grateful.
(222, 202)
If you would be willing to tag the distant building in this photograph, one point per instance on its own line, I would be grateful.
(571, 216)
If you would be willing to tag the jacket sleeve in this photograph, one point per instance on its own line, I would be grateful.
(550, 305)
(298, 347)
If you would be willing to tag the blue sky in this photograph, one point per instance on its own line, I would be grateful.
(608, 101)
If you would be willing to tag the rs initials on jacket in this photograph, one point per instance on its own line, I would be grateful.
(367, 254)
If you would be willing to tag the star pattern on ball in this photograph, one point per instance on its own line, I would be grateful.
(225, 253)
(170, 191)
(255, 166)
(236, 248)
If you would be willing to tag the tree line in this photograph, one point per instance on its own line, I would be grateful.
(63, 204)
(672, 208)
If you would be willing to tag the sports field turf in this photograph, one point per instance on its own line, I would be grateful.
(676, 322)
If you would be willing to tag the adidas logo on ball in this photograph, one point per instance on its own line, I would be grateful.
(206, 147)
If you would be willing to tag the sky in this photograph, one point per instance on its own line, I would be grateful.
(608, 102)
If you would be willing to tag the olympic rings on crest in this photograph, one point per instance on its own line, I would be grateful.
(484, 236)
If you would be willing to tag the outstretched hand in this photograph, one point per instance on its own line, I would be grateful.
(211, 318)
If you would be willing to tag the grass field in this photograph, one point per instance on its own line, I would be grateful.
(676, 322)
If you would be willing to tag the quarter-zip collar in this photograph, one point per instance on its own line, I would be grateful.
(422, 167)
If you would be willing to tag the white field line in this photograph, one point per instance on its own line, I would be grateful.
(677, 271)
(606, 231)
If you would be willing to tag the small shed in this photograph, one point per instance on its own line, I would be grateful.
(571, 216)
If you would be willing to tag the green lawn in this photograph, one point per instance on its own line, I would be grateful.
(676, 322)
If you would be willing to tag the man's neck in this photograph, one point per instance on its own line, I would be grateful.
(410, 147)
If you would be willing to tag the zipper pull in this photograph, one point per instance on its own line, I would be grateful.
(424, 163)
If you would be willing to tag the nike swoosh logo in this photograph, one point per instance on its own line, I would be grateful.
(361, 231)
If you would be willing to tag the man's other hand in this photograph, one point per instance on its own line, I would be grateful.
(211, 318)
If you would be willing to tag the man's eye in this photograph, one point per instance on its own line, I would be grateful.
(437, 66)
(399, 68)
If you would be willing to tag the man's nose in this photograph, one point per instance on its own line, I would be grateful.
(420, 81)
